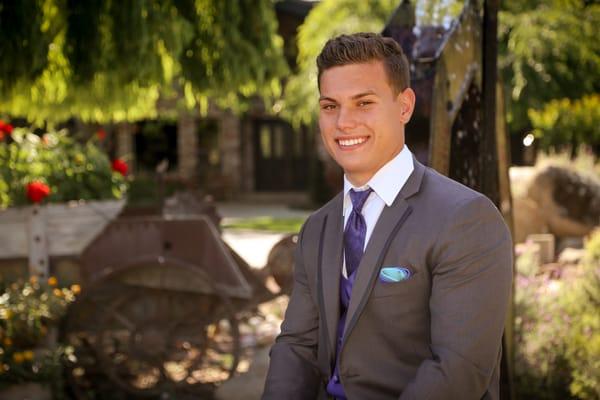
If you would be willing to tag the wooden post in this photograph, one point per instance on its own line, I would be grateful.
(125, 143)
(38, 242)
(489, 155)
(489, 167)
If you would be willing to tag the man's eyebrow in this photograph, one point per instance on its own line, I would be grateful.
(363, 94)
(327, 98)
(356, 96)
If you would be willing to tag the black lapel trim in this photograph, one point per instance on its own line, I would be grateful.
(324, 339)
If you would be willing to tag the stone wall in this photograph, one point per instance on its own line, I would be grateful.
(187, 147)
(230, 150)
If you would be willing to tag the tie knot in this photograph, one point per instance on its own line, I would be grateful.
(358, 199)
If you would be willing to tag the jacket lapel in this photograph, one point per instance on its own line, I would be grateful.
(389, 223)
(330, 270)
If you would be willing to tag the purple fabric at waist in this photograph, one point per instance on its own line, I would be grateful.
(334, 386)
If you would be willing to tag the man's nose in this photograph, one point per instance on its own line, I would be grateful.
(346, 119)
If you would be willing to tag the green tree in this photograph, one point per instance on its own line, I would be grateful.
(568, 122)
(549, 50)
(112, 60)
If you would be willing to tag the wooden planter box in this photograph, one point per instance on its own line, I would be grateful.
(26, 391)
(53, 230)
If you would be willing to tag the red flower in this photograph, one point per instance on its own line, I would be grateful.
(37, 191)
(101, 134)
(5, 129)
(120, 166)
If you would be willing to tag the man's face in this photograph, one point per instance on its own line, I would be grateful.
(361, 119)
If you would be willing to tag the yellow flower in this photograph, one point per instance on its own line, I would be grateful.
(52, 281)
(57, 292)
(76, 289)
(7, 342)
(28, 355)
(18, 357)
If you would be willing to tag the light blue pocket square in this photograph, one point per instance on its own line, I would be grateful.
(394, 274)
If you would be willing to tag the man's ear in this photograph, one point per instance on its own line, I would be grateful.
(406, 98)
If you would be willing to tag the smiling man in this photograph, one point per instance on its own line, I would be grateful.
(402, 281)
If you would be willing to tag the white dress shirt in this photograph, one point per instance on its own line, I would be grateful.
(386, 184)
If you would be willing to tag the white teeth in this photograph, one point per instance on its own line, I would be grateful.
(351, 142)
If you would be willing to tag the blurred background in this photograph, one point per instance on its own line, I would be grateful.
(157, 159)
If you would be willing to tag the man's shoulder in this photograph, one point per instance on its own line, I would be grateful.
(332, 206)
(441, 189)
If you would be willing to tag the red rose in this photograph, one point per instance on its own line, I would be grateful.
(5, 128)
(120, 166)
(101, 134)
(37, 191)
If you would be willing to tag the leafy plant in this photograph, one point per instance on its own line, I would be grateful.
(568, 122)
(56, 168)
(29, 311)
(557, 328)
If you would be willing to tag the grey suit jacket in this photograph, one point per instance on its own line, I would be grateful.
(436, 335)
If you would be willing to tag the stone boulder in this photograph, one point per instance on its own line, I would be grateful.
(554, 200)
(568, 201)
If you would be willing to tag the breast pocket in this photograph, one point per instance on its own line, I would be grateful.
(397, 280)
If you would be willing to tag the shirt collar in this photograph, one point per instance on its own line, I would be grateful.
(388, 181)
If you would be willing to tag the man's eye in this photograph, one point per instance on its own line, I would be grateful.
(328, 106)
(364, 103)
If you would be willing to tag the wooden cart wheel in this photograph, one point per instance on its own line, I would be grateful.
(84, 376)
(150, 343)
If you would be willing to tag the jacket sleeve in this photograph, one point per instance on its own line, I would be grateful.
(471, 269)
(293, 372)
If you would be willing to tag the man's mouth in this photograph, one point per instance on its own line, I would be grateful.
(351, 142)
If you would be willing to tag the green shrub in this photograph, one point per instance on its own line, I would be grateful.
(583, 345)
(59, 168)
(557, 329)
(567, 122)
(29, 312)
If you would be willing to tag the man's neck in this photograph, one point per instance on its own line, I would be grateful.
(358, 180)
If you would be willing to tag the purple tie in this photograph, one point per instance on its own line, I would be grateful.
(356, 230)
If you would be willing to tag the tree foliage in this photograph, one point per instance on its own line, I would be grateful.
(112, 60)
(549, 50)
(568, 122)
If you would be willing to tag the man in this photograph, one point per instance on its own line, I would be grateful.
(401, 282)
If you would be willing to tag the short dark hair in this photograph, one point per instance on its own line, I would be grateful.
(363, 48)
